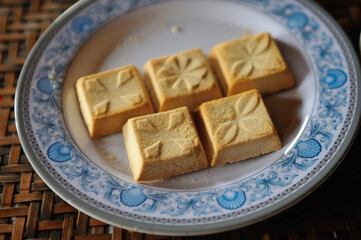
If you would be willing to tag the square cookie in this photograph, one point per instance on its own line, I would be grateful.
(250, 62)
(236, 128)
(181, 79)
(108, 99)
(163, 144)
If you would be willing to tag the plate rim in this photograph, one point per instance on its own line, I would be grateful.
(207, 228)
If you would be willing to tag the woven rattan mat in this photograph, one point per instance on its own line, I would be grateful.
(30, 210)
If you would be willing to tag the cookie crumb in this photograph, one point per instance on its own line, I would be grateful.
(135, 40)
(176, 29)
(111, 157)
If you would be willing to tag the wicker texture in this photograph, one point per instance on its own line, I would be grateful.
(30, 210)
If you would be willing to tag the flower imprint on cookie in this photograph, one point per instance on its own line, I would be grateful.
(181, 72)
(101, 108)
(132, 99)
(123, 77)
(97, 87)
(253, 55)
(153, 150)
(176, 142)
(185, 145)
(239, 119)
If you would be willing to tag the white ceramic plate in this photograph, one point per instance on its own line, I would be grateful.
(316, 120)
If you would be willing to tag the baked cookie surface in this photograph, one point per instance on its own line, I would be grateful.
(250, 62)
(181, 79)
(108, 99)
(236, 128)
(163, 144)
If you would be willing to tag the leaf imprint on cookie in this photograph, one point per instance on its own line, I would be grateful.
(94, 84)
(185, 144)
(123, 77)
(153, 150)
(175, 119)
(145, 125)
(254, 55)
(257, 126)
(226, 133)
(101, 108)
(247, 103)
(133, 99)
(181, 72)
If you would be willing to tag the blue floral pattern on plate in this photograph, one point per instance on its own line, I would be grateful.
(314, 147)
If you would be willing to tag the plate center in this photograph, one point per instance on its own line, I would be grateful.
(169, 27)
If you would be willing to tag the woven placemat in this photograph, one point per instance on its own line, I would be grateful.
(30, 210)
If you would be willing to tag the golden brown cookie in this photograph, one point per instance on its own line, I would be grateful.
(108, 99)
(236, 128)
(163, 144)
(250, 62)
(181, 79)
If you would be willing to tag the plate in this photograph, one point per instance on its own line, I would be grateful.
(316, 120)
